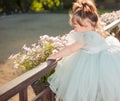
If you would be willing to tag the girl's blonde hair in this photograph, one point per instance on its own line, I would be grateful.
(86, 9)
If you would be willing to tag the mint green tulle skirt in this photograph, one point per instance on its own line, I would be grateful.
(85, 76)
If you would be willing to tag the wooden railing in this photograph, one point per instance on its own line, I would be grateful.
(20, 84)
(112, 25)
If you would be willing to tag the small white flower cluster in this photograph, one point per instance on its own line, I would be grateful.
(58, 42)
(38, 52)
(108, 18)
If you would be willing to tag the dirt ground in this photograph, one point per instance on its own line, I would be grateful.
(7, 73)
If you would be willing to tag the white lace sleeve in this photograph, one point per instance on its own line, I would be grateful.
(74, 36)
(70, 38)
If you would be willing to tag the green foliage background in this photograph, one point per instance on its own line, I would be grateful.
(39, 5)
(16, 6)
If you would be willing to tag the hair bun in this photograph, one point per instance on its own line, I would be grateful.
(79, 6)
(76, 7)
(84, 4)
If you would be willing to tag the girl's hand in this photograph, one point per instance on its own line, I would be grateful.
(51, 57)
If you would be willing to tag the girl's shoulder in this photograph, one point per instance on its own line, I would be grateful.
(81, 34)
(86, 37)
(93, 37)
(91, 33)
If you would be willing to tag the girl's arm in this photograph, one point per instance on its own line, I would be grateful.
(67, 50)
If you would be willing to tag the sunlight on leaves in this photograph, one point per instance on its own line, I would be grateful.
(36, 6)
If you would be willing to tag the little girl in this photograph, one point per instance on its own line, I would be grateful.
(90, 68)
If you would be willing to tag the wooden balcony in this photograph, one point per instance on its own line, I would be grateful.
(21, 83)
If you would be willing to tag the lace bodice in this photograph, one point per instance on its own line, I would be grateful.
(93, 42)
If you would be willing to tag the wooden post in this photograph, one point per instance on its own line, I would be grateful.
(23, 96)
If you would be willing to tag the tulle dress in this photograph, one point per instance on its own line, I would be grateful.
(90, 74)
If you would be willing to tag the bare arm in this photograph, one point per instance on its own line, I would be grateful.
(66, 51)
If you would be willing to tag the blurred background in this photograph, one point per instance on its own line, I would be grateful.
(23, 21)
(25, 6)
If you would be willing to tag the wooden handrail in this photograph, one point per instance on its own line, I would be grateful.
(112, 25)
(20, 84)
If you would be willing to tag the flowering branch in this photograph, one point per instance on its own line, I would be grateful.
(32, 56)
